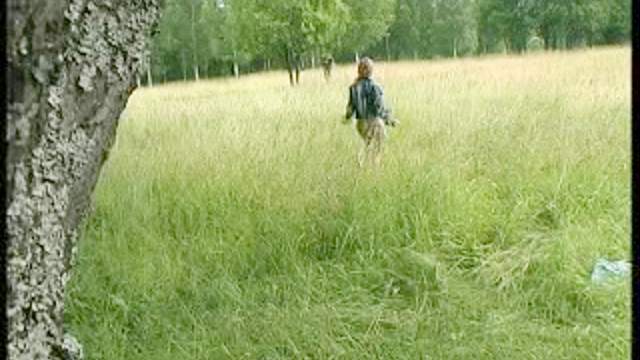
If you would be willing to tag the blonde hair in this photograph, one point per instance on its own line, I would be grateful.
(365, 67)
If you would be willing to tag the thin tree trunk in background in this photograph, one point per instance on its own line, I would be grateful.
(184, 65)
(455, 47)
(67, 91)
(149, 76)
(196, 72)
(298, 61)
(236, 70)
(289, 60)
(387, 48)
(357, 57)
(290, 76)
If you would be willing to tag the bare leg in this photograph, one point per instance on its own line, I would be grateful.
(361, 156)
(367, 152)
(377, 158)
(378, 140)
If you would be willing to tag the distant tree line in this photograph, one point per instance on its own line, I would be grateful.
(206, 38)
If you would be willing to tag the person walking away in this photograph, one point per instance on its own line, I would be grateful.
(366, 103)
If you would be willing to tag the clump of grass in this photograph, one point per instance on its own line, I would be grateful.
(232, 221)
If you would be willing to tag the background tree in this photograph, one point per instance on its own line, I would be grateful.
(411, 32)
(327, 23)
(369, 22)
(489, 22)
(290, 30)
(186, 41)
(552, 19)
(250, 35)
(617, 26)
(454, 27)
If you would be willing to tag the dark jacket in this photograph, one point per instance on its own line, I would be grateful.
(366, 101)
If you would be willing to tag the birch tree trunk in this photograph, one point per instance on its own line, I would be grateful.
(194, 45)
(387, 48)
(72, 64)
(149, 76)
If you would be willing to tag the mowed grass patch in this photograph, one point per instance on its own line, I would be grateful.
(231, 220)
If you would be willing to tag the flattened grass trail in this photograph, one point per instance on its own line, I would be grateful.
(231, 220)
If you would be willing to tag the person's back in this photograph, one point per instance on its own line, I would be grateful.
(365, 99)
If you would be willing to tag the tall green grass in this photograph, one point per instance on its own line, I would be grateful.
(231, 220)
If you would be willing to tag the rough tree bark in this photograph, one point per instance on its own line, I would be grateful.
(72, 65)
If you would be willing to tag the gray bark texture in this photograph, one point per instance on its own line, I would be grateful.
(72, 65)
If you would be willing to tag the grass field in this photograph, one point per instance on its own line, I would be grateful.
(232, 222)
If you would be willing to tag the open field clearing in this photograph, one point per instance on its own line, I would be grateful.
(232, 222)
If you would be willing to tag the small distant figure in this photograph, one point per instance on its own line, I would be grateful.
(327, 66)
(367, 104)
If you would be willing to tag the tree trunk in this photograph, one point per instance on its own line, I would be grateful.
(149, 76)
(455, 47)
(387, 48)
(183, 63)
(72, 65)
(194, 48)
(298, 67)
(289, 60)
(236, 69)
(290, 70)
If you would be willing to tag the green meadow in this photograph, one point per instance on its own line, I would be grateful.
(231, 220)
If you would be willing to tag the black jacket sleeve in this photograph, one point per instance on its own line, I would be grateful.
(350, 105)
(381, 110)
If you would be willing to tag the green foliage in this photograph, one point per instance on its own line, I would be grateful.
(454, 27)
(195, 33)
(187, 39)
(327, 23)
(209, 35)
(299, 26)
(566, 24)
(370, 20)
(409, 34)
(617, 23)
